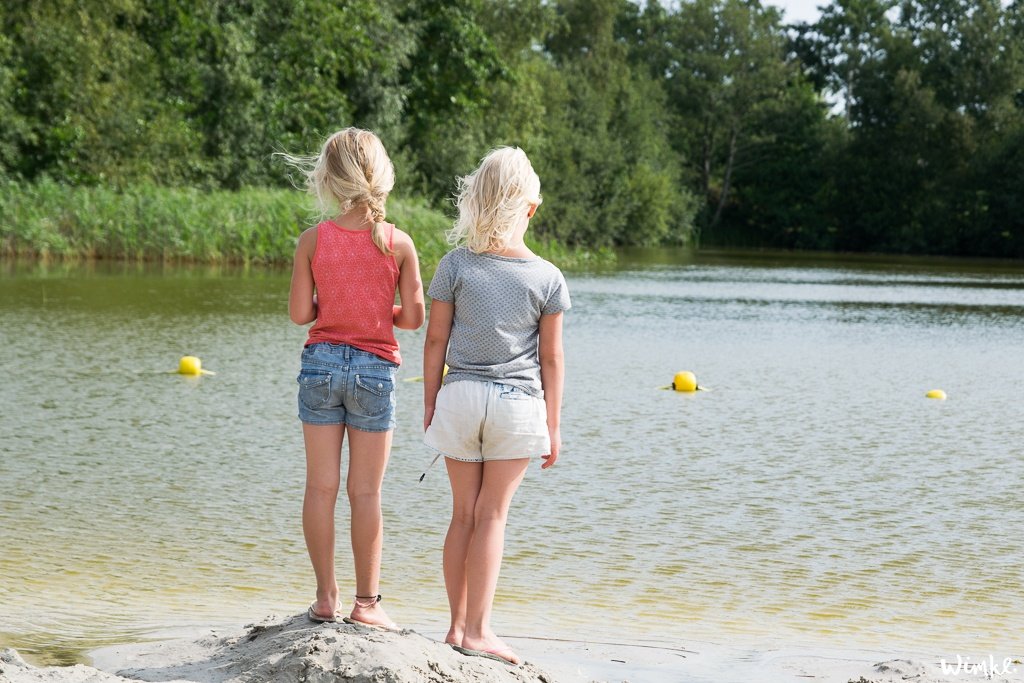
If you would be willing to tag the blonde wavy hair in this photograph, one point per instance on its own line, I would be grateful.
(493, 201)
(352, 168)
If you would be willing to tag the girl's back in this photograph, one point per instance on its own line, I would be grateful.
(498, 302)
(355, 284)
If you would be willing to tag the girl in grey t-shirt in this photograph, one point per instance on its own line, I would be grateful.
(496, 318)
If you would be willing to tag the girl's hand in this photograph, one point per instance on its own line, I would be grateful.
(556, 446)
(428, 416)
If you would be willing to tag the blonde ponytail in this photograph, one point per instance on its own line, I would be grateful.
(380, 238)
(377, 212)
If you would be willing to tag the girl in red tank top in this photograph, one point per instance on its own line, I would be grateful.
(346, 274)
(355, 284)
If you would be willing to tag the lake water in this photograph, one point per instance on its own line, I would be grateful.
(814, 496)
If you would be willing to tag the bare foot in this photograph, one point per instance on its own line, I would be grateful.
(326, 605)
(492, 645)
(372, 615)
(454, 636)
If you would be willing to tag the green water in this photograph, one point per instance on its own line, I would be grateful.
(813, 496)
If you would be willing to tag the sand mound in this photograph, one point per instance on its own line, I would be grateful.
(293, 651)
(13, 669)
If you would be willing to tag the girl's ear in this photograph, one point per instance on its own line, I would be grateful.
(533, 210)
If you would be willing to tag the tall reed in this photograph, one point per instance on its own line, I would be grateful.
(254, 225)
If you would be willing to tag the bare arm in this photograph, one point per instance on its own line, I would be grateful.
(409, 315)
(552, 378)
(301, 299)
(439, 330)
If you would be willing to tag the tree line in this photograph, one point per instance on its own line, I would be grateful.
(893, 126)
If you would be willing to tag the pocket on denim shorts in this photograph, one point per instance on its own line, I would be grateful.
(314, 388)
(373, 393)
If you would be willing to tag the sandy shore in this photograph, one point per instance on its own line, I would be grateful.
(295, 650)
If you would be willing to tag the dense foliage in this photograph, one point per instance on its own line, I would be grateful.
(886, 126)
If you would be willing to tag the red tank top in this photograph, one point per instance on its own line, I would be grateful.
(355, 290)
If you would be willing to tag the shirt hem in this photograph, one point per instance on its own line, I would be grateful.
(395, 357)
(528, 387)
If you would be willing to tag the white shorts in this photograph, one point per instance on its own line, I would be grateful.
(477, 421)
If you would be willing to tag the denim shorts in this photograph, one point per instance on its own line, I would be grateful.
(480, 421)
(340, 384)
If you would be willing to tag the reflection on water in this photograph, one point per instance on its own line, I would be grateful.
(814, 495)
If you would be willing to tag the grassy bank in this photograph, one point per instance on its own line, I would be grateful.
(50, 220)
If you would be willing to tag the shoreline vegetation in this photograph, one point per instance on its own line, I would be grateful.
(49, 221)
(881, 127)
(54, 221)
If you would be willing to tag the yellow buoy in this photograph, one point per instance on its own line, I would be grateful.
(191, 365)
(936, 393)
(684, 381)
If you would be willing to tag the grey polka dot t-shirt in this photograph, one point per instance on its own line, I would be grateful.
(498, 303)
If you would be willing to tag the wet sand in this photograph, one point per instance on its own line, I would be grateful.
(293, 649)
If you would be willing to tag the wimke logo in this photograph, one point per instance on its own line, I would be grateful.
(983, 668)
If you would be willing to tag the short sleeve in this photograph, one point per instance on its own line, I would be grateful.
(558, 299)
(442, 285)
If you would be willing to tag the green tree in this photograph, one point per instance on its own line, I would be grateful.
(260, 76)
(323, 65)
(14, 129)
(925, 93)
(724, 68)
(998, 189)
(846, 45)
(84, 95)
(784, 185)
(612, 176)
(448, 80)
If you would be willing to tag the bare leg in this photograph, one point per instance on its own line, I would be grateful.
(323, 477)
(368, 458)
(501, 478)
(465, 479)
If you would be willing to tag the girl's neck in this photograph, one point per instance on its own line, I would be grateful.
(518, 250)
(516, 247)
(356, 219)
